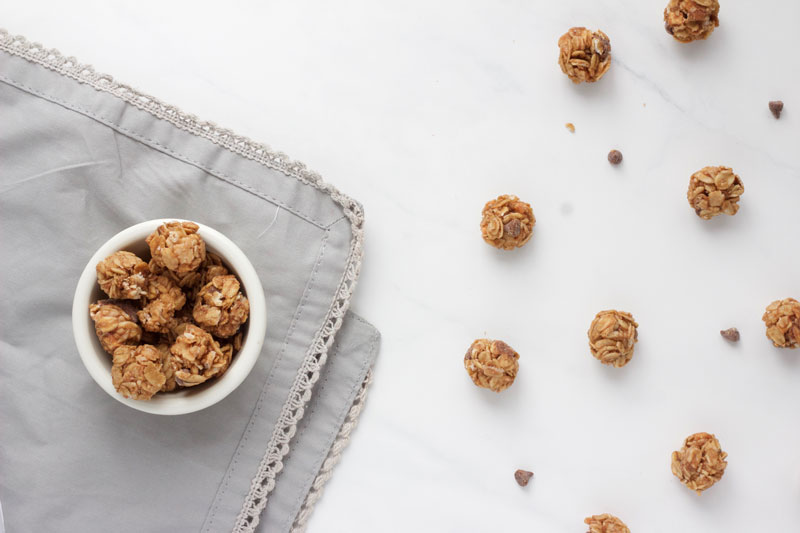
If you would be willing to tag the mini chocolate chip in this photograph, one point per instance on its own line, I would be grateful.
(731, 334)
(522, 477)
(776, 106)
(615, 157)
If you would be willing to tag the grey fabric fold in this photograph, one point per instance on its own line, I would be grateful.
(77, 165)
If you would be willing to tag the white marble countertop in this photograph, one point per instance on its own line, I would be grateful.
(423, 111)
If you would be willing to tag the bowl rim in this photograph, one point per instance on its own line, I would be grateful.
(245, 359)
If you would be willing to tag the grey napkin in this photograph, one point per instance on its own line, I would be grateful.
(82, 157)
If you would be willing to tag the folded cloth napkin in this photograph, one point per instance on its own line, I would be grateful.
(83, 157)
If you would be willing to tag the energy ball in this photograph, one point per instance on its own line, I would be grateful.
(136, 371)
(491, 364)
(584, 55)
(714, 191)
(782, 318)
(177, 246)
(122, 275)
(162, 299)
(220, 307)
(612, 336)
(114, 325)
(605, 523)
(700, 463)
(507, 222)
(196, 357)
(691, 20)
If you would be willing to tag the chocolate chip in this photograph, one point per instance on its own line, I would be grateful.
(615, 157)
(522, 477)
(513, 228)
(731, 334)
(776, 106)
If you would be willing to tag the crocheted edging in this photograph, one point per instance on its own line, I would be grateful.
(300, 391)
(334, 455)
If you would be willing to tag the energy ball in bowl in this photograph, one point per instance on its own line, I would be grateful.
(691, 20)
(177, 246)
(114, 325)
(221, 308)
(136, 371)
(162, 299)
(700, 463)
(122, 275)
(491, 364)
(612, 336)
(507, 222)
(584, 55)
(196, 357)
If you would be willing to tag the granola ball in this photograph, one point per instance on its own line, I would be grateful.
(612, 336)
(700, 463)
(713, 191)
(507, 222)
(220, 307)
(114, 325)
(122, 275)
(163, 298)
(584, 55)
(196, 357)
(605, 523)
(691, 20)
(782, 318)
(136, 371)
(491, 364)
(177, 246)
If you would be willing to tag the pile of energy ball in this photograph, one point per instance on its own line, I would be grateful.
(173, 322)
(507, 223)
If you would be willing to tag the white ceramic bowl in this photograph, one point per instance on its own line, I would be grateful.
(188, 400)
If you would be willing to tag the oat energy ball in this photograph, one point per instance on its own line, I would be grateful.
(605, 523)
(114, 325)
(507, 222)
(714, 191)
(612, 336)
(700, 463)
(782, 318)
(196, 357)
(491, 364)
(177, 246)
(162, 299)
(220, 307)
(691, 20)
(136, 371)
(122, 275)
(584, 55)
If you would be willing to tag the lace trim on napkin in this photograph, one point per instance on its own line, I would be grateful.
(335, 453)
(300, 392)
